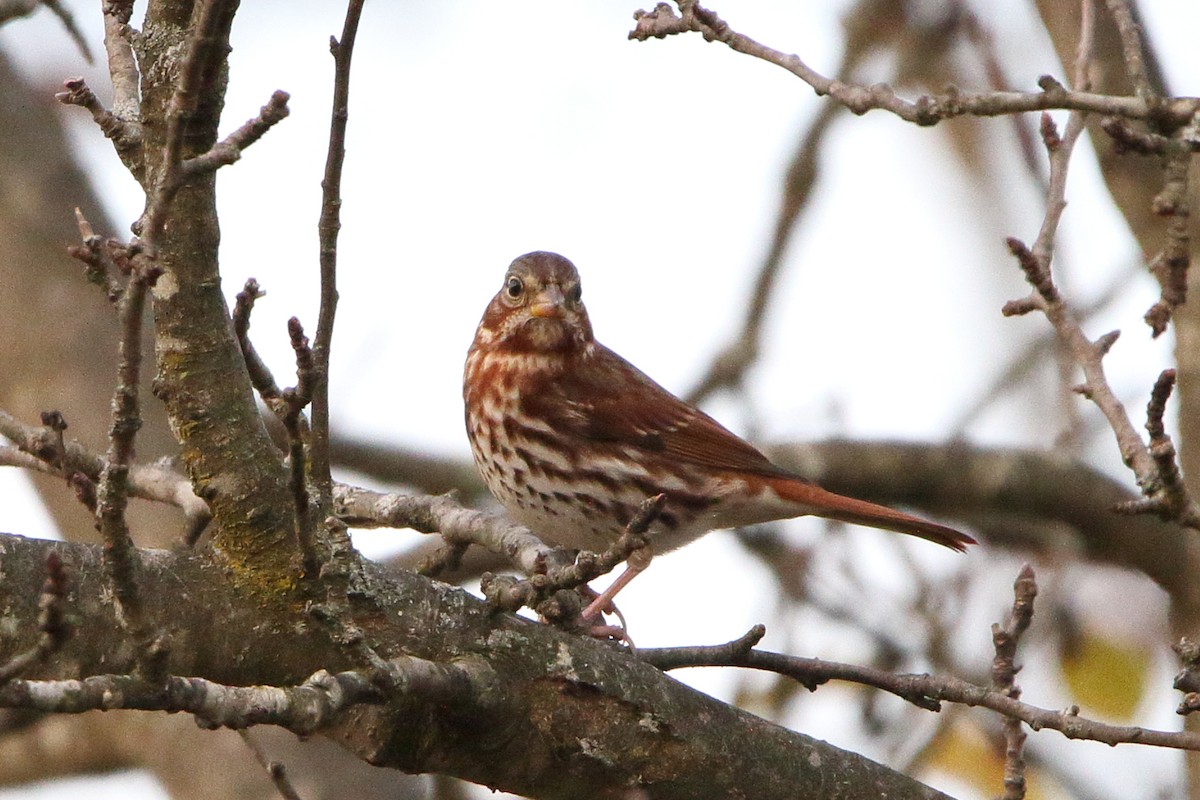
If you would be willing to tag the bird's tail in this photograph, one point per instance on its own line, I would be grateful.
(826, 504)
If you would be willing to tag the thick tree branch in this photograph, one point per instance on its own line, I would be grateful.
(549, 714)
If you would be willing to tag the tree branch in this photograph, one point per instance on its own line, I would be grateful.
(926, 109)
(525, 708)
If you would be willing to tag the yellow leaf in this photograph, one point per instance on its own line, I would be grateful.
(1105, 676)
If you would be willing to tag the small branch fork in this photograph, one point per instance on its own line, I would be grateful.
(930, 691)
(551, 592)
(1154, 466)
(45, 450)
(294, 401)
(308, 447)
(288, 405)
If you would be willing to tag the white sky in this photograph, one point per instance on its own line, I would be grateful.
(482, 130)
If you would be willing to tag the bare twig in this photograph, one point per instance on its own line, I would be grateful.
(1131, 47)
(364, 508)
(229, 149)
(1004, 670)
(70, 460)
(260, 374)
(924, 691)
(328, 227)
(126, 136)
(295, 400)
(112, 492)
(1170, 266)
(541, 591)
(20, 8)
(275, 770)
(1088, 354)
(123, 71)
(99, 257)
(302, 709)
(204, 51)
(1168, 497)
(52, 621)
(926, 109)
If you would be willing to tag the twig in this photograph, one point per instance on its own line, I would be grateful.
(126, 136)
(21, 8)
(1088, 354)
(204, 53)
(540, 592)
(70, 460)
(295, 400)
(1004, 670)
(1131, 47)
(303, 709)
(327, 228)
(275, 769)
(1171, 265)
(123, 72)
(52, 621)
(1188, 679)
(1032, 353)
(364, 508)
(260, 374)
(112, 491)
(99, 256)
(922, 690)
(229, 149)
(926, 109)
(1167, 497)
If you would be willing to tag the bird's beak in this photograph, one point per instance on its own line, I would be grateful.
(548, 304)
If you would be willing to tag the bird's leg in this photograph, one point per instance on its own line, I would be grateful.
(635, 564)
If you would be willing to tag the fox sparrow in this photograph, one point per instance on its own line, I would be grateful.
(571, 438)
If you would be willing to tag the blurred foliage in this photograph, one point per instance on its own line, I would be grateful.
(1105, 676)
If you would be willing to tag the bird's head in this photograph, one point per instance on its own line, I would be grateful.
(538, 307)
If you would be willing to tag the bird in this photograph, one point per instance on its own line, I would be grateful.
(571, 438)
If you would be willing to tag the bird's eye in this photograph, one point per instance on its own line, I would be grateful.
(575, 294)
(514, 287)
